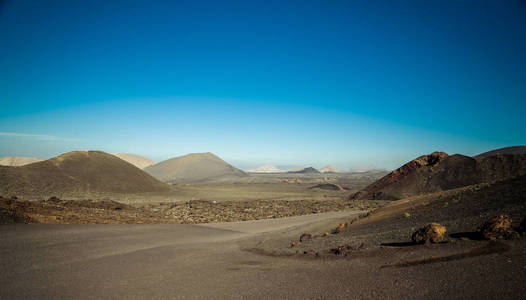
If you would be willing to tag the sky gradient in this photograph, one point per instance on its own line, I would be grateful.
(294, 83)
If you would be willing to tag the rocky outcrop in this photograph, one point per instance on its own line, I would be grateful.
(432, 232)
(499, 227)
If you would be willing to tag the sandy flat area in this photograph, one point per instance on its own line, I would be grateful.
(208, 261)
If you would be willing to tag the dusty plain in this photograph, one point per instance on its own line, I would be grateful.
(295, 236)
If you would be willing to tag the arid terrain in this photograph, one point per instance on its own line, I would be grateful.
(257, 196)
(431, 228)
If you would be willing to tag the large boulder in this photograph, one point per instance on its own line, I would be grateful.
(431, 232)
(499, 227)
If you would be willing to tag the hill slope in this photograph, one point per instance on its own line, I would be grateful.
(439, 171)
(193, 168)
(136, 160)
(514, 150)
(17, 161)
(78, 174)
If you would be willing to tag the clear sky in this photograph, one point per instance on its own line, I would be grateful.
(263, 82)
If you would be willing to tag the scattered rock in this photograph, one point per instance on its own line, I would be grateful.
(306, 237)
(325, 234)
(339, 228)
(9, 216)
(342, 249)
(294, 244)
(499, 227)
(431, 232)
(190, 212)
(54, 199)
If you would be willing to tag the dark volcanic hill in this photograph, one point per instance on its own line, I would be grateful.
(193, 168)
(309, 170)
(514, 150)
(78, 174)
(439, 171)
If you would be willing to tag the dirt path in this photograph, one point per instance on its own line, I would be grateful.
(206, 262)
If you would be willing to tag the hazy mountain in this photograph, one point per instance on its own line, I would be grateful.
(507, 150)
(266, 169)
(305, 171)
(192, 168)
(439, 171)
(331, 169)
(78, 174)
(363, 169)
(17, 161)
(136, 160)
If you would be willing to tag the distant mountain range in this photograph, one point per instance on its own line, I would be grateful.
(193, 167)
(365, 169)
(136, 160)
(273, 169)
(308, 170)
(331, 169)
(84, 174)
(17, 161)
(266, 169)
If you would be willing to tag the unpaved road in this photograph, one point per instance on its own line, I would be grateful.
(206, 262)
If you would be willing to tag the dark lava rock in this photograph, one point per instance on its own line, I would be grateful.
(54, 199)
(497, 228)
(431, 232)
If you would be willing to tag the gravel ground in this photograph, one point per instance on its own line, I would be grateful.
(57, 211)
(461, 211)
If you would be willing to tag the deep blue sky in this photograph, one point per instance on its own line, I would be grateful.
(256, 82)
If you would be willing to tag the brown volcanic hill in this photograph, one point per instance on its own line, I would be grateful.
(193, 168)
(78, 174)
(439, 171)
(136, 160)
(17, 161)
(514, 150)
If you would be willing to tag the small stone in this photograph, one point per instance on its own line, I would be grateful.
(54, 199)
(306, 237)
(339, 228)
